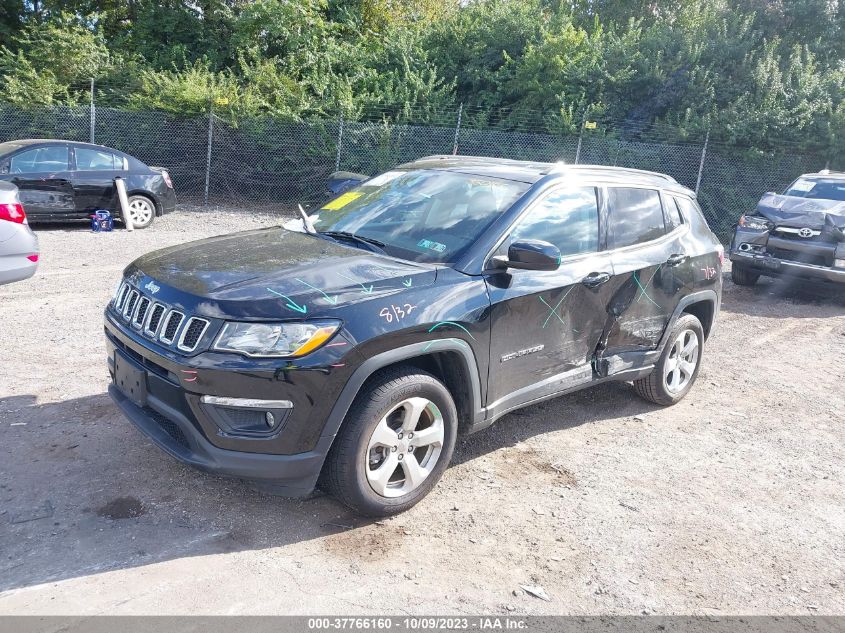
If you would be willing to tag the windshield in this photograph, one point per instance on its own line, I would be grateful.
(420, 215)
(821, 189)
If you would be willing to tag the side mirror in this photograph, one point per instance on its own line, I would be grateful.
(341, 181)
(530, 255)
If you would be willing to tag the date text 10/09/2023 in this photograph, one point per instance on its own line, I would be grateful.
(422, 623)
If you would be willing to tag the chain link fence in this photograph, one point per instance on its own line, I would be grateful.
(270, 164)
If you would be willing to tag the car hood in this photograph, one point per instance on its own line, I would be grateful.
(795, 212)
(274, 272)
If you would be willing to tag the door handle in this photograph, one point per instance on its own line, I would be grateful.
(594, 280)
(676, 259)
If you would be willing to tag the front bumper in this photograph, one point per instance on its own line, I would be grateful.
(172, 413)
(769, 265)
(288, 475)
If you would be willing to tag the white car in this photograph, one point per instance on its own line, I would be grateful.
(18, 244)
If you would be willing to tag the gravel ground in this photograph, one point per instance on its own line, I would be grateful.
(731, 502)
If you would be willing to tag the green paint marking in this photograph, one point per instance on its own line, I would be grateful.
(293, 305)
(425, 349)
(442, 323)
(408, 283)
(637, 280)
(642, 290)
(553, 311)
(332, 300)
(367, 289)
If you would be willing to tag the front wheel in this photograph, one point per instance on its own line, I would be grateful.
(142, 211)
(677, 369)
(395, 443)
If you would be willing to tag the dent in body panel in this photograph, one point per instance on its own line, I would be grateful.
(647, 294)
(550, 312)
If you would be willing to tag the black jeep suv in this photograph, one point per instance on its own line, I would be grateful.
(352, 346)
(799, 234)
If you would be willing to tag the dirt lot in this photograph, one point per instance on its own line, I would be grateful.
(731, 502)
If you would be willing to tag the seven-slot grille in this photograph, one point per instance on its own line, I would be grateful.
(159, 321)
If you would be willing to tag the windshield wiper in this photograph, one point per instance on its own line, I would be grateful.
(346, 235)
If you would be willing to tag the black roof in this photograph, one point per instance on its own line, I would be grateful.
(532, 171)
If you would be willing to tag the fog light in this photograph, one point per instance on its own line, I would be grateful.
(247, 417)
(839, 263)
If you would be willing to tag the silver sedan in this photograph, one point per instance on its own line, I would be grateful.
(18, 244)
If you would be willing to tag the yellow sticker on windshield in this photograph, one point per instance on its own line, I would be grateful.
(342, 201)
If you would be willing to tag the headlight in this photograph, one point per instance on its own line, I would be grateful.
(274, 339)
(754, 222)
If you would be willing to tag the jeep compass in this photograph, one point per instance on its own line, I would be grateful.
(348, 348)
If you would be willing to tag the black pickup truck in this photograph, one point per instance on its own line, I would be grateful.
(797, 234)
(350, 347)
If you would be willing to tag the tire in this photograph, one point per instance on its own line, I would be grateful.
(363, 469)
(742, 276)
(658, 386)
(142, 208)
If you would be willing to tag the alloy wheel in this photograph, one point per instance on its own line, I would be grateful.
(405, 447)
(141, 211)
(682, 361)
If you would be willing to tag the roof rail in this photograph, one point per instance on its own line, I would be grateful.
(561, 166)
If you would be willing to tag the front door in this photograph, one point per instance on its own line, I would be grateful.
(42, 176)
(546, 324)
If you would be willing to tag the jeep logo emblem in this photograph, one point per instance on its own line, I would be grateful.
(805, 232)
(152, 287)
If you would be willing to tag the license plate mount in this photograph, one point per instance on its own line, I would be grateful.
(130, 378)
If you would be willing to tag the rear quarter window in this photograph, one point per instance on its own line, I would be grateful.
(691, 211)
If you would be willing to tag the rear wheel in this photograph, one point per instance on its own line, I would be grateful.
(742, 276)
(395, 443)
(142, 211)
(677, 369)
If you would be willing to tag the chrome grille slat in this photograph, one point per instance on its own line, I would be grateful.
(140, 312)
(192, 333)
(158, 321)
(121, 296)
(171, 326)
(129, 308)
(156, 313)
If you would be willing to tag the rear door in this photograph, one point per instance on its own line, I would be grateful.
(93, 178)
(42, 175)
(545, 324)
(648, 267)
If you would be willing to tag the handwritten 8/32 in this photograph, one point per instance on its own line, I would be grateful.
(398, 313)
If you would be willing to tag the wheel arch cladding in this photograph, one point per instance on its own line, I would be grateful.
(450, 369)
(704, 311)
(453, 363)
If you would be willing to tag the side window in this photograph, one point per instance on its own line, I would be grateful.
(635, 216)
(40, 160)
(673, 213)
(567, 218)
(691, 211)
(88, 159)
